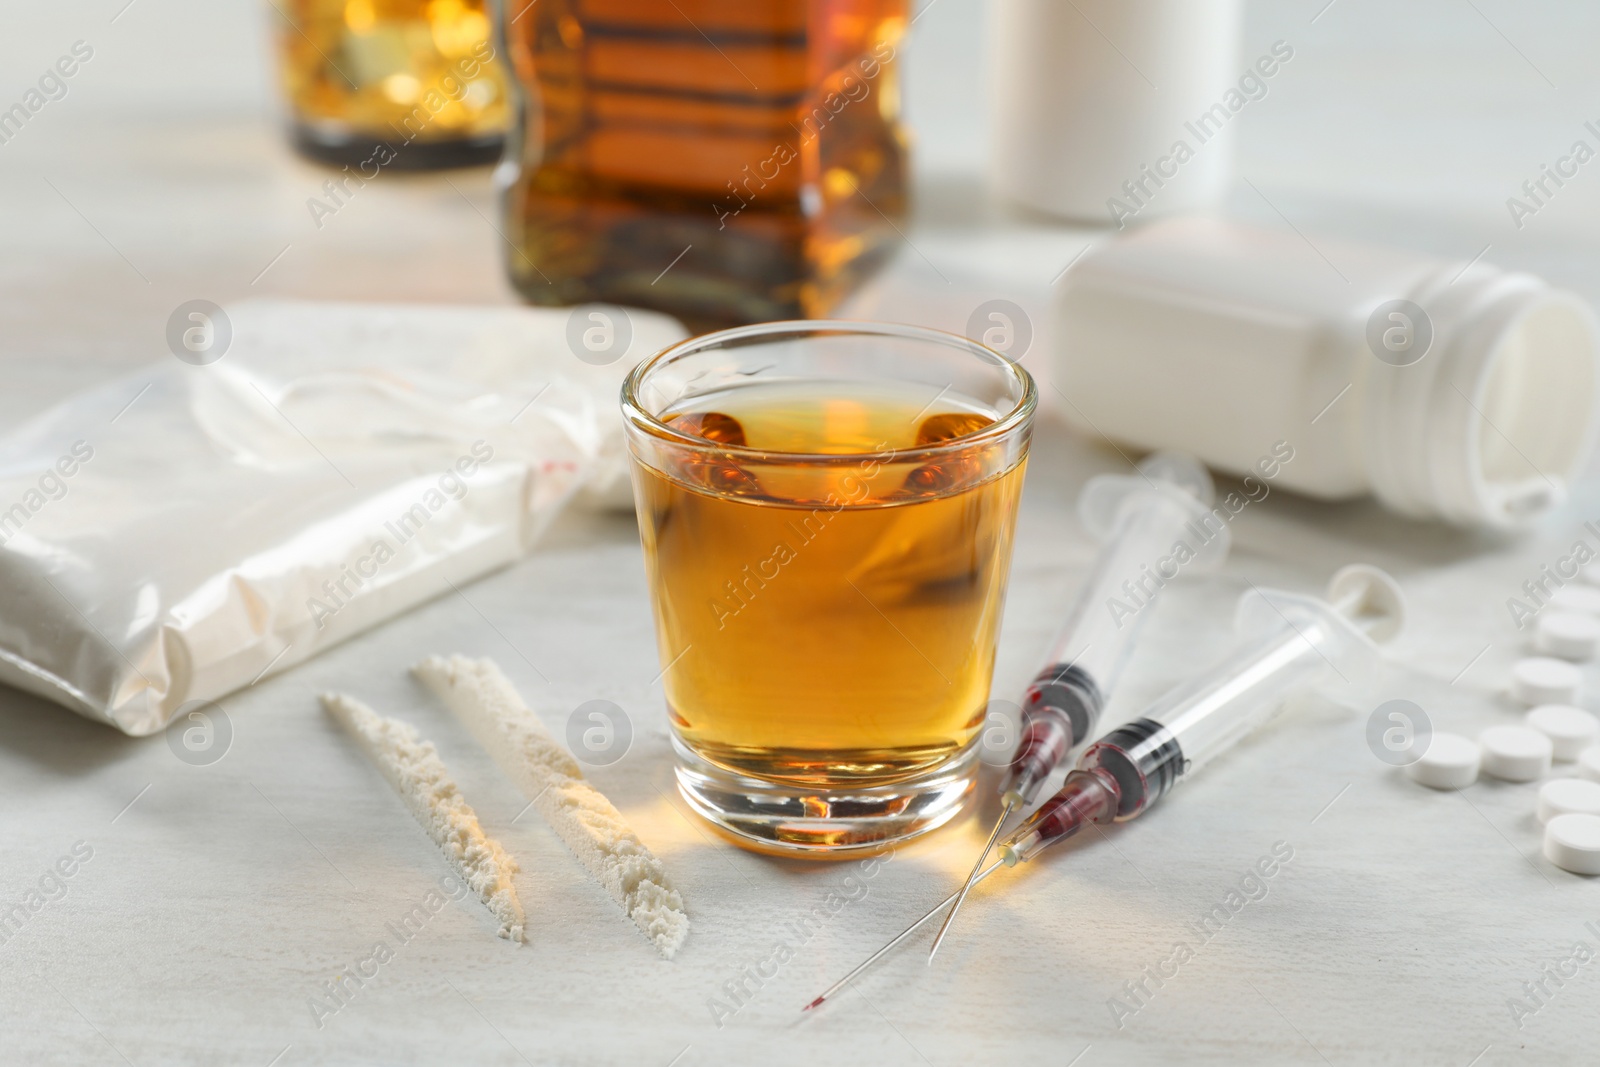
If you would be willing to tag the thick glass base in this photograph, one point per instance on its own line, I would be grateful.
(800, 820)
(342, 148)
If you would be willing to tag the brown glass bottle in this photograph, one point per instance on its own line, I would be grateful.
(726, 161)
(402, 84)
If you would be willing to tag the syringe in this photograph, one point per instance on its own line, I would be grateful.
(1292, 642)
(1300, 640)
(1152, 525)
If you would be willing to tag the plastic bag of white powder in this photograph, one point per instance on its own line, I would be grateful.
(182, 532)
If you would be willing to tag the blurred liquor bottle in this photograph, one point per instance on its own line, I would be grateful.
(410, 84)
(727, 161)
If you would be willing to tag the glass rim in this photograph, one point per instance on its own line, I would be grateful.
(1017, 418)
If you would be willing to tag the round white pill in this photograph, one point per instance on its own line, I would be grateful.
(1451, 762)
(1572, 842)
(1514, 753)
(1589, 763)
(1568, 796)
(1573, 635)
(1570, 729)
(1576, 598)
(1542, 680)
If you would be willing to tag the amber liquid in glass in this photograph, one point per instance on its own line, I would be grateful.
(828, 623)
(419, 77)
(727, 161)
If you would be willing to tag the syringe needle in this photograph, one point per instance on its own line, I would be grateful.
(966, 887)
(913, 928)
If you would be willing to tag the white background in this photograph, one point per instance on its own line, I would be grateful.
(220, 899)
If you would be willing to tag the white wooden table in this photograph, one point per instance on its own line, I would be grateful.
(217, 899)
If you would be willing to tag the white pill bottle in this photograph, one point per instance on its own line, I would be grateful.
(1114, 110)
(1449, 390)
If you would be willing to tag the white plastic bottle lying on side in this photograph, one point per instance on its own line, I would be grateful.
(1449, 390)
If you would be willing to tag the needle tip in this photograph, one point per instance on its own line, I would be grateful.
(813, 1004)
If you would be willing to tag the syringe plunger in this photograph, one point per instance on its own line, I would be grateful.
(1061, 707)
(1085, 797)
(1117, 777)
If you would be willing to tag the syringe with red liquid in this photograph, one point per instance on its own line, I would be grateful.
(1152, 526)
(1292, 643)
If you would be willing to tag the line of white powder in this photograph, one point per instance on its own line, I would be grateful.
(413, 767)
(493, 712)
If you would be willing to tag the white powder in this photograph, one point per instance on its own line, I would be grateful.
(493, 712)
(413, 767)
(468, 428)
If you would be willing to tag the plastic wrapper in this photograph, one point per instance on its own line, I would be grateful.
(186, 531)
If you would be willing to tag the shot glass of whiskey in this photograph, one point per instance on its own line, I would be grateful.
(827, 511)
